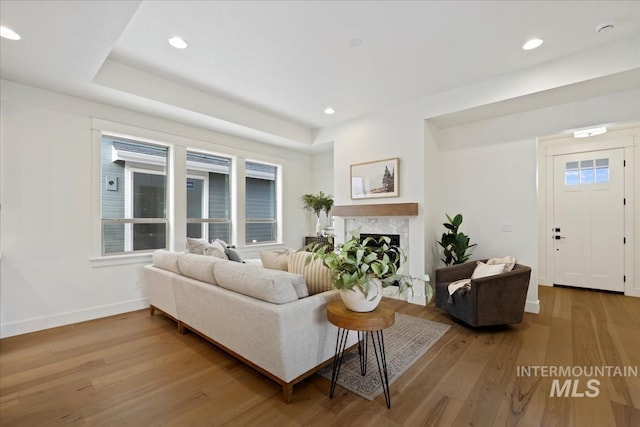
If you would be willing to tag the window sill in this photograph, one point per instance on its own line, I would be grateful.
(125, 259)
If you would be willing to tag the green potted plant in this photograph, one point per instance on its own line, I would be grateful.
(454, 242)
(317, 203)
(360, 270)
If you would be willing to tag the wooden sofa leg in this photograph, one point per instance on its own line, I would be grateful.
(152, 310)
(287, 391)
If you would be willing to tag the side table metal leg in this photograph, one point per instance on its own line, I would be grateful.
(362, 350)
(381, 358)
(341, 343)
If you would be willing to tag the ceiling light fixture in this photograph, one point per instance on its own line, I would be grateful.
(329, 110)
(589, 132)
(8, 33)
(532, 44)
(177, 42)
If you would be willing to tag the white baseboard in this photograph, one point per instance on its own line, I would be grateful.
(532, 307)
(46, 322)
(632, 292)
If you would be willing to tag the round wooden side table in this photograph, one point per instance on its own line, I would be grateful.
(372, 324)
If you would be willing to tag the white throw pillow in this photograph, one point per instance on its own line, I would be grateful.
(215, 249)
(196, 246)
(276, 260)
(484, 270)
(508, 261)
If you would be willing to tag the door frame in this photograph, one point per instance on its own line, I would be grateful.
(549, 147)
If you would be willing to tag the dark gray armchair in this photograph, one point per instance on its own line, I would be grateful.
(493, 300)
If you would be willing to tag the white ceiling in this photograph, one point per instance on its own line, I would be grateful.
(266, 70)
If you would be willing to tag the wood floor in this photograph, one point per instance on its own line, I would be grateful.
(137, 370)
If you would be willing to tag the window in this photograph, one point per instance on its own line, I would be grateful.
(261, 189)
(208, 196)
(133, 196)
(587, 172)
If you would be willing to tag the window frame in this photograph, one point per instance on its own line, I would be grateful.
(192, 171)
(204, 212)
(178, 143)
(130, 168)
(277, 220)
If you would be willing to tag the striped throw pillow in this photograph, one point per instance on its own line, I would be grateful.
(317, 276)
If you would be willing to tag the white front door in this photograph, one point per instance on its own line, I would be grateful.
(588, 220)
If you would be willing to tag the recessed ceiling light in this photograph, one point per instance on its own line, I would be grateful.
(355, 42)
(589, 132)
(329, 110)
(8, 33)
(532, 44)
(177, 42)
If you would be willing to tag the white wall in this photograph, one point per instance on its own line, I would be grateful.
(321, 180)
(392, 133)
(494, 187)
(493, 176)
(485, 169)
(46, 276)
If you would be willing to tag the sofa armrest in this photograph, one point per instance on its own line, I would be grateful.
(501, 298)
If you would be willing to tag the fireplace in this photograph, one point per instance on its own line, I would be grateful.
(388, 226)
(394, 241)
(395, 238)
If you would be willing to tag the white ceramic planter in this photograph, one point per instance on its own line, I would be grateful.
(355, 300)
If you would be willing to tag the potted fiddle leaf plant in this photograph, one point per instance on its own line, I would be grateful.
(454, 242)
(317, 203)
(360, 269)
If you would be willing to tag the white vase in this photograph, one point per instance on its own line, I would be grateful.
(318, 227)
(355, 300)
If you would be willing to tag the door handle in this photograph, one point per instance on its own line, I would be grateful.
(559, 237)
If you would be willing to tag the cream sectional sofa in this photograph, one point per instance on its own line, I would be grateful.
(260, 316)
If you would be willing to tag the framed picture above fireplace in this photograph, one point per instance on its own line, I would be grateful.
(375, 179)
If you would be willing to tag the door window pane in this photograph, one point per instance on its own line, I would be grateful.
(572, 177)
(584, 172)
(586, 176)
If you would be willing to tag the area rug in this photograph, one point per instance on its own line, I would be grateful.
(405, 342)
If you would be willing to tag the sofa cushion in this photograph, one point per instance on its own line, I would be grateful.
(166, 260)
(276, 260)
(199, 267)
(297, 280)
(317, 276)
(267, 285)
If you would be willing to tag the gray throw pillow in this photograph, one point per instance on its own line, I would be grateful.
(233, 255)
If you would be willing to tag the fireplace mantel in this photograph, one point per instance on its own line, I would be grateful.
(388, 209)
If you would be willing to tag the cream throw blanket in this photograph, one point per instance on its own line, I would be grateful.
(465, 284)
(454, 286)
